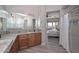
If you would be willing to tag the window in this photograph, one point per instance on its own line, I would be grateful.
(52, 26)
(49, 24)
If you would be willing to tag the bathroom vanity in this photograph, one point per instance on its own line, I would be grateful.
(24, 41)
(18, 32)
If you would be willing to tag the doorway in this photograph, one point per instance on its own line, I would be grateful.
(53, 30)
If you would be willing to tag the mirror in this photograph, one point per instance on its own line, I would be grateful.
(1, 21)
(2, 26)
(19, 23)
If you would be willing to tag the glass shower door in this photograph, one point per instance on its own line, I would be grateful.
(74, 35)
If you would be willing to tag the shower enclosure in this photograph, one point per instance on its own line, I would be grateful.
(74, 31)
(74, 35)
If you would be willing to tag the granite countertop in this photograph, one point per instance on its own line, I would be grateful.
(7, 41)
(5, 46)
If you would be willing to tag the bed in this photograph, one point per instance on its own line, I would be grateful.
(53, 33)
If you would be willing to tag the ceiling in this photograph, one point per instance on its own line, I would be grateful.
(30, 9)
(50, 8)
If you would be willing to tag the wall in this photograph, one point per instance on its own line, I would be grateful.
(3, 13)
(43, 24)
(20, 8)
(32, 10)
(54, 14)
(64, 31)
(1, 8)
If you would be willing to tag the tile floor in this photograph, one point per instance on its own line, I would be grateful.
(52, 47)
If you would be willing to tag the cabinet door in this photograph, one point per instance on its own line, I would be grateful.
(14, 47)
(37, 38)
(17, 44)
(23, 41)
(31, 39)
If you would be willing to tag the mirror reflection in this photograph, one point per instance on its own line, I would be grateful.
(17, 22)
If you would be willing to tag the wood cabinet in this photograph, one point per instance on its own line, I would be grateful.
(34, 39)
(15, 46)
(31, 39)
(37, 38)
(23, 41)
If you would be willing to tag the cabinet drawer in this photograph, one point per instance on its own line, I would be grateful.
(23, 36)
(31, 35)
